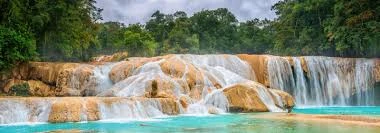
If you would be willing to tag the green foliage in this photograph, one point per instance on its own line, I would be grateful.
(217, 30)
(20, 90)
(69, 30)
(15, 47)
(256, 36)
(61, 29)
(328, 27)
(110, 38)
(139, 41)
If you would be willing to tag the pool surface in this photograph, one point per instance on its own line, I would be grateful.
(183, 124)
(349, 110)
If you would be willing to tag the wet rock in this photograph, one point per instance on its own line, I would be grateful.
(36, 88)
(244, 98)
(124, 69)
(247, 97)
(377, 70)
(287, 100)
(259, 63)
(111, 58)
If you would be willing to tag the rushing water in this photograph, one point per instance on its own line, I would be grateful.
(189, 124)
(325, 81)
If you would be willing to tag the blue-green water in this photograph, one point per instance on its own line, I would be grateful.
(350, 110)
(214, 123)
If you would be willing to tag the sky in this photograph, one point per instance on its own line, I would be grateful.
(139, 11)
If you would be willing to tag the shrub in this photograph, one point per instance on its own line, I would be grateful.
(20, 90)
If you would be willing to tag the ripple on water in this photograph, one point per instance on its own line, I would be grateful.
(216, 123)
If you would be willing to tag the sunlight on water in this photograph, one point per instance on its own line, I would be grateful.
(184, 124)
(348, 110)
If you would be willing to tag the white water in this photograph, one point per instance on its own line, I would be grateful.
(16, 111)
(328, 81)
(97, 82)
(131, 110)
(266, 98)
(226, 70)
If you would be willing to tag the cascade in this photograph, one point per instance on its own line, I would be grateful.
(16, 111)
(196, 84)
(211, 72)
(131, 110)
(327, 81)
(97, 78)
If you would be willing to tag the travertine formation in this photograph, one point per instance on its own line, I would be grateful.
(139, 87)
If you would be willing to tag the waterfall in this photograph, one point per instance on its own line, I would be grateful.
(91, 80)
(195, 84)
(326, 82)
(131, 110)
(20, 111)
(280, 73)
(300, 89)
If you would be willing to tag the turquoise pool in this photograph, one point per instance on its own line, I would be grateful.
(349, 110)
(238, 123)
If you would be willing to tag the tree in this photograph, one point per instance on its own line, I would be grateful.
(299, 27)
(111, 37)
(217, 30)
(15, 47)
(60, 28)
(180, 39)
(354, 29)
(159, 27)
(256, 36)
(139, 42)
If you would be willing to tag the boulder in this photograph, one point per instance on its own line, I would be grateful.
(244, 98)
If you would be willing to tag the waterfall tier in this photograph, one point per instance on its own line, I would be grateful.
(320, 81)
(190, 84)
(141, 88)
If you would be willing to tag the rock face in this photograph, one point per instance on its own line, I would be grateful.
(53, 79)
(377, 70)
(93, 108)
(36, 88)
(252, 97)
(259, 64)
(74, 109)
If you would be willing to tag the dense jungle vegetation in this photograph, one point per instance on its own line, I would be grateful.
(71, 30)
